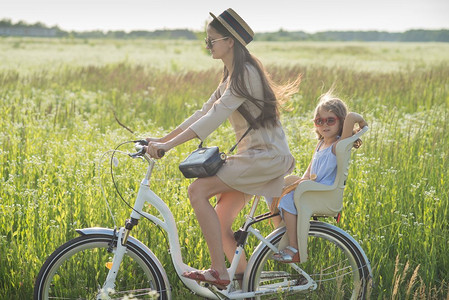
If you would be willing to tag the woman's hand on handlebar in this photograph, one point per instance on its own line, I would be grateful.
(156, 149)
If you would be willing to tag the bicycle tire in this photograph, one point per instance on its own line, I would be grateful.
(77, 270)
(336, 263)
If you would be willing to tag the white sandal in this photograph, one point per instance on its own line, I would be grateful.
(284, 257)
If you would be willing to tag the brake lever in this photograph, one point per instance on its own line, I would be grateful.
(141, 149)
(136, 155)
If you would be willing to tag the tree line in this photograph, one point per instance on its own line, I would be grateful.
(8, 28)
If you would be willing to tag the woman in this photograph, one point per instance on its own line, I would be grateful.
(246, 97)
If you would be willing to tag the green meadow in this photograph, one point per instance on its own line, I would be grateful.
(61, 100)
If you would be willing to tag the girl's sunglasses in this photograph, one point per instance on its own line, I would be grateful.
(329, 121)
(210, 43)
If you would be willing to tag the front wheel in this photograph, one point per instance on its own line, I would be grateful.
(336, 263)
(78, 269)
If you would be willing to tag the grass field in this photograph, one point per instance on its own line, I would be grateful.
(57, 105)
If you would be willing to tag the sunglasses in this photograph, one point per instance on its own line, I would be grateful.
(210, 43)
(329, 121)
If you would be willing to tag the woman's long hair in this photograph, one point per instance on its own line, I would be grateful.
(273, 94)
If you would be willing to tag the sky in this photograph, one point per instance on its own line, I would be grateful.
(262, 15)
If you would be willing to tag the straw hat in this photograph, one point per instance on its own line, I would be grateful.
(235, 25)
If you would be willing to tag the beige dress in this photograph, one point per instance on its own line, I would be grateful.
(263, 157)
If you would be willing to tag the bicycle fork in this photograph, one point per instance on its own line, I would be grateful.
(120, 250)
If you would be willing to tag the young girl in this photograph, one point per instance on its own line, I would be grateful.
(332, 124)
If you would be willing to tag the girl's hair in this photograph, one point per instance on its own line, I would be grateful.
(330, 103)
(273, 94)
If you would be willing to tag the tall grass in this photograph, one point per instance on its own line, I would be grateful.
(58, 116)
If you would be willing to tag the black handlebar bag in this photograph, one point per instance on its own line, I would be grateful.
(203, 162)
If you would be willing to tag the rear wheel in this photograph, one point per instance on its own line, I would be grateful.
(78, 269)
(335, 262)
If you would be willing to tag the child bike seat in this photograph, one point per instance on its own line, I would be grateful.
(316, 199)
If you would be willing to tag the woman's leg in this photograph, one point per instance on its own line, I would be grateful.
(227, 208)
(200, 191)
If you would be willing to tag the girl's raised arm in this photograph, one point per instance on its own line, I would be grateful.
(351, 119)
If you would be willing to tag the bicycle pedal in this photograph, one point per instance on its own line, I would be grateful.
(212, 286)
(216, 291)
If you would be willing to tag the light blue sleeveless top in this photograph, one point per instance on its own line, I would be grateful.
(324, 165)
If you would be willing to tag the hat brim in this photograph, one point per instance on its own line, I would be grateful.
(230, 29)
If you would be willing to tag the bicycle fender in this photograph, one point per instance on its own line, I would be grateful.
(329, 227)
(136, 242)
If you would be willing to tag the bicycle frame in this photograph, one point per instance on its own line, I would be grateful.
(144, 195)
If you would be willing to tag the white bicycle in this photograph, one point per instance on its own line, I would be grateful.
(105, 263)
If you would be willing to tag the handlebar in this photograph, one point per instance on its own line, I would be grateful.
(141, 149)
